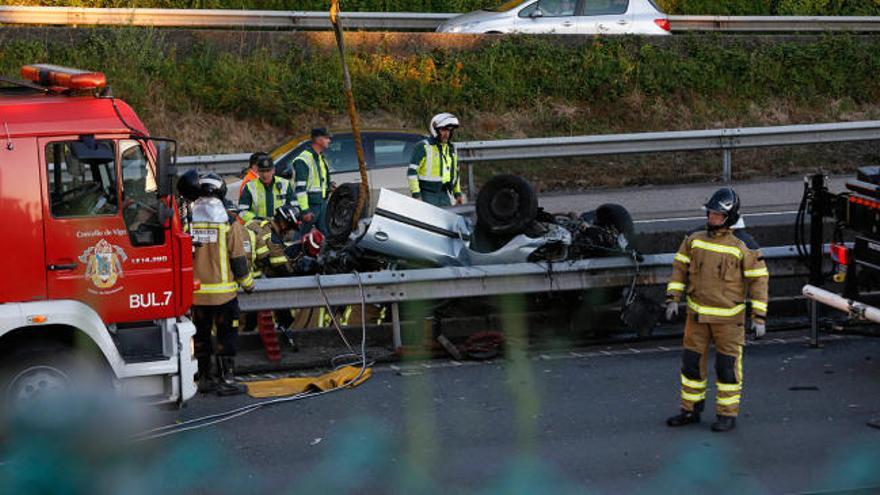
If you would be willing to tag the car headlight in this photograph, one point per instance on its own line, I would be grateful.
(458, 28)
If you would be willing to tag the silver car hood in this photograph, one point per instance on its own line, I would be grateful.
(410, 229)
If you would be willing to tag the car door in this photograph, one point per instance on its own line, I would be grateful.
(106, 244)
(548, 17)
(605, 17)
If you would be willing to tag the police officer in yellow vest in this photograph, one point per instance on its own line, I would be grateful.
(312, 176)
(260, 198)
(718, 272)
(433, 172)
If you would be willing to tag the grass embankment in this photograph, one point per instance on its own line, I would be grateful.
(218, 100)
(685, 7)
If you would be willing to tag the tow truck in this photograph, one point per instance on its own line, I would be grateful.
(856, 264)
(97, 269)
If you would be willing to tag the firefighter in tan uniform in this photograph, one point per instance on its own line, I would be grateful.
(718, 272)
(221, 266)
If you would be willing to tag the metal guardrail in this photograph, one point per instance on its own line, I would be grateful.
(217, 18)
(774, 24)
(396, 286)
(724, 140)
(389, 21)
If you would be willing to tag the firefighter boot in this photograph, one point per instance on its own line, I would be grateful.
(207, 379)
(227, 385)
(724, 423)
(685, 418)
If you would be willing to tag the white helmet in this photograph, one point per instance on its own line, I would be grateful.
(442, 120)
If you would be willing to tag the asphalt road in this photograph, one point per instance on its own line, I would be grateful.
(679, 207)
(584, 422)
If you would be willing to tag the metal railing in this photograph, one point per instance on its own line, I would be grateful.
(389, 21)
(396, 286)
(724, 140)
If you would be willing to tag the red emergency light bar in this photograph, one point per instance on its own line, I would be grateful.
(55, 76)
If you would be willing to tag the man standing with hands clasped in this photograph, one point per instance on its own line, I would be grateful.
(717, 270)
(433, 172)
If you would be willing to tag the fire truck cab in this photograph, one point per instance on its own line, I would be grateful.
(95, 265)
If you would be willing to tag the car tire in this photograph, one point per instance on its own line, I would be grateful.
(506, 206)
(340, 212)
(614, 215)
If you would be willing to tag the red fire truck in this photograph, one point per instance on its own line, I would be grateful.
(96, 268)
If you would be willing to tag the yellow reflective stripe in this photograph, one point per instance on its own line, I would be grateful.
(710, 311)
(687, 382)
(717, 248)
(758, 272)
(675, 286)
(684, 259)
(693, 397)
(247, 281)
(729, 387)
(267, 237)
(262, 250)
(224, 255)
(414, 185)
(277, 260)
(216, 288)
(759, 306)
(728, 401)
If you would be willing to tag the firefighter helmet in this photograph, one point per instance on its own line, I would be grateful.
(288, 214)
(441, 121)
(726, 202)
(188, 185)
(212, 185)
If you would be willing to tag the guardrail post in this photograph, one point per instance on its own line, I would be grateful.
(395, 325)
(726, 157)
(472, 185)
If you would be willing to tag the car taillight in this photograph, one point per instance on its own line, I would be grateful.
(663, 24)
(840, 254)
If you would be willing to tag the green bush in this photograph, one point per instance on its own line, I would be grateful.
(503, 75)
(684, 7)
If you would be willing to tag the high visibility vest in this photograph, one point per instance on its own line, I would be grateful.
(440, 164)
(259, 204)
(317, 182)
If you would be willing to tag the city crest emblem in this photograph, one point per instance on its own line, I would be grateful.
(103, 263)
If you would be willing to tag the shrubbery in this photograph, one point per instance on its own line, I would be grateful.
(503, 75)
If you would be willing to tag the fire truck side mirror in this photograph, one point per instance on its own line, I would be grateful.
(166, 166)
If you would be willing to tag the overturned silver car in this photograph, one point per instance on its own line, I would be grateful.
(508, 227)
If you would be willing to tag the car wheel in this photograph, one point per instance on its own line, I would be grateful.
(613, 215)
(506, 205)
(340, 212)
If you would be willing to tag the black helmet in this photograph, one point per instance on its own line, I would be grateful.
(264, 162)
(188, 185)
(726, 202)
(212, 185)
(288, 214)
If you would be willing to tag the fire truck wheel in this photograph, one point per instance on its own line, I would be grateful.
(47, 368)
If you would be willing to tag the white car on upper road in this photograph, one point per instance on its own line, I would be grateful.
(642, 17)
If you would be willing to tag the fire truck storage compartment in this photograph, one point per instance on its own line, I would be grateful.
(140, 342)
